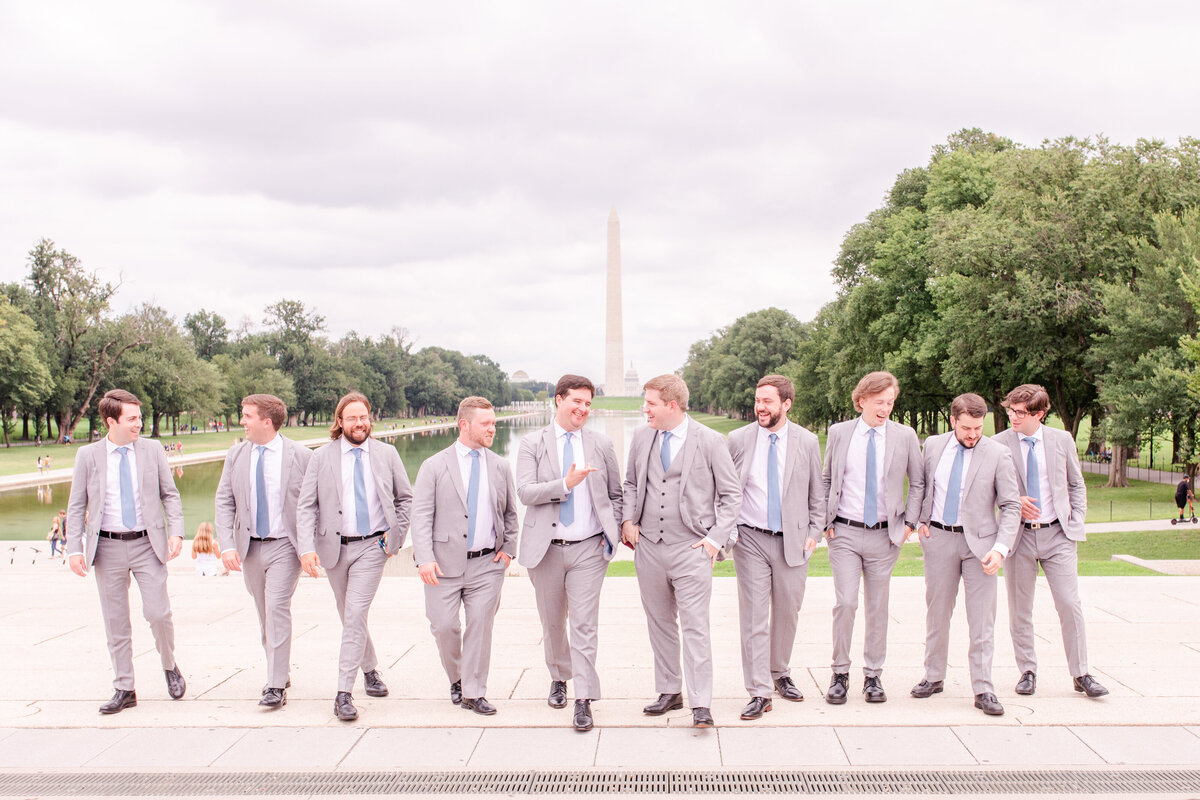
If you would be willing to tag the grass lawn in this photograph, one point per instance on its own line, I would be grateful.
(617, 403)
(1095, 555)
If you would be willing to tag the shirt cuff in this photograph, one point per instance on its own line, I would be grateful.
(710, 540)
(1001, 548)
(73, 554)
(230, 550)
(302, 555)
(566, 489)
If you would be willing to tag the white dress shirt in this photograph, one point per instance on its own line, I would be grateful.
(941, 479)
(112, 519)
(272, 477)
(585, 524)
(349, 508)
(484, 535)
(853, 497)
(1045, 494)
(754, 493)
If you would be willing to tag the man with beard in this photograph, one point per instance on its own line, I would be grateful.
(256, 526)
(464, 531)
(351, 516)
(967, 476)
(779, 525)
(571, 487)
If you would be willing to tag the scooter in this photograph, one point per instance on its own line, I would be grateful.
(1191, 511)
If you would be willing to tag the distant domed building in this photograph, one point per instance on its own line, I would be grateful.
(633, 386)
(520, 376)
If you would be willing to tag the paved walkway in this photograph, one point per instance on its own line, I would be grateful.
(1135, 473)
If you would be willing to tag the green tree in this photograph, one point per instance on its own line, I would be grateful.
(25, 380)
(207, 332)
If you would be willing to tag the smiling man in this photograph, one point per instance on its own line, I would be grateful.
(570, 484)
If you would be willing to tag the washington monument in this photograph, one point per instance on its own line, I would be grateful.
(614, 337)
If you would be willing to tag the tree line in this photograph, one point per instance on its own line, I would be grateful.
(62, 346)
(1074, 264)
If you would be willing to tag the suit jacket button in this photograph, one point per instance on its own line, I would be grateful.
(553, 524)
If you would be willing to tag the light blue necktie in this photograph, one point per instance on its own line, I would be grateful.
(774, 509)
(954, 488)
(473, 500)
(566, 509)
(665, 451)
(870, 499)
(262, 514)
(1033, 475)
(361, 512)
(128, 509)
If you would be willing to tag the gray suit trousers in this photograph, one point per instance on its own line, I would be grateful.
(675, 581)
(947, 559)
(1059, 559)
(857, 554)
(115, 562)
(354, 580)
(466, 652)
(271, 571)
(769, 597)
(566, 584)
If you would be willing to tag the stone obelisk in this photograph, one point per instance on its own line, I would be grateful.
(614, 337)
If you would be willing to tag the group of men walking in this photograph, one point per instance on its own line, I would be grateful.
(688, 498)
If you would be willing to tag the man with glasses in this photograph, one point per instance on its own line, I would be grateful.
(1053, 507)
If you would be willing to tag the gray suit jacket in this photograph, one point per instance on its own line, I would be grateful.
(803, 500)
(234, 518)
(902, 456)
(162, 510)
(710, 494)
(439, 520)
(540, 487)
(1066, 477)
(319, 507)
(990, 482)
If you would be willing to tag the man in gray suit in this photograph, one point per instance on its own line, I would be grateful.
(779, 525)
(352, 514)
(1053, 507)
(134, 522)
(464, 533)
(867, 519)
(256, 528)
(680, 508)
(569, 537)
(967, 477)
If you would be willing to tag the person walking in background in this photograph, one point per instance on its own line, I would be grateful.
(55, 536)
(134, 525)
(204, 552)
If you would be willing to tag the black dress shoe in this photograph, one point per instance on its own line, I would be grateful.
(583, 715)
(701, 718)
(1027, 684)
(175, 683)
(274, 698)
(1089, 686)
(120, 701)
(990, 705)
(267, 688)
(873, 690)
(558, 694)
(756, 708)
(343, 706)
(479, 705)
(664, 703)
(837, 688)
(926, 689)
(787, 690)
(456, 692)
(374, 686)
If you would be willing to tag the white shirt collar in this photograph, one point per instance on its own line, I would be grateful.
(275, 444)
(111, 446)
(1036, 435)
(347, 445)
(680, 430)
(464, 451)
(560, 431)
(863, 428)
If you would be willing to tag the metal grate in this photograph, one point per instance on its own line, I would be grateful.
(581, 782)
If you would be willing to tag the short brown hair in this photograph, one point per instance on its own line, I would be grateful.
(671, 387)
(871, 384)
(468, 406)
(782, 384)
(969, 405)
(568, 382)
(268, 406)
(335, 430)
(110, 404)
(1035, 397)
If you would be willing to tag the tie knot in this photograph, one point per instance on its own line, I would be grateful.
(261, 449)
(870, 433)
(568, 436)
(357, 451)
(475, 454)
(666, 436)
(1029, 440)
(774, 437)
(123, 450)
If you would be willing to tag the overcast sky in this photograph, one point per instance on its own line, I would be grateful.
(449, 167)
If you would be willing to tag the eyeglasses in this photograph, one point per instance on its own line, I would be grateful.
(1019, 413)
(355, 420)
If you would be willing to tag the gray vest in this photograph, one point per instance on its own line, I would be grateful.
(661, 520)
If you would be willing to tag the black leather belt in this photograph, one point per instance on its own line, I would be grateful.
(477, 553)
(122, 537)
(763, 531)
(950, 528)
(569, 542)
(855, 524)
(265, 538)
(1033, 526)
(349, 539)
